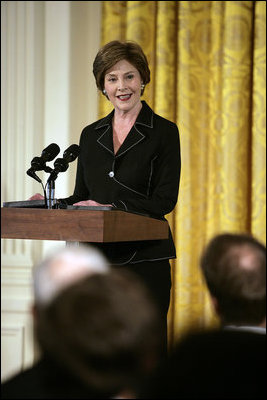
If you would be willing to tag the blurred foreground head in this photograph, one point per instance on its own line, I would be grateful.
(103, 329)
(63, 267)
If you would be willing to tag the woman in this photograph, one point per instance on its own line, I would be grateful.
(131, 160)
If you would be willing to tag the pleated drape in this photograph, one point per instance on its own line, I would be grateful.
(207, 61)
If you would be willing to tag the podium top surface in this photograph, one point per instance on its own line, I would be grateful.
(80, 225)
(41, 204)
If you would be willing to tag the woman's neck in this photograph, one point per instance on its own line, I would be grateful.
(126, 117)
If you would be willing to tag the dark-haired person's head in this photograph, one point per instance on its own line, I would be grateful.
(234, 267)
(103, 330)
(115, 51)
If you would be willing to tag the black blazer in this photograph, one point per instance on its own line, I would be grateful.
(143, 176)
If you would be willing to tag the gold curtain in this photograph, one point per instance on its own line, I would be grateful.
(207, 61)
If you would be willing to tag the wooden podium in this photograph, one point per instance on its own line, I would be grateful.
(80, 225)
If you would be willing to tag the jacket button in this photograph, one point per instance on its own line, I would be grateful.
(111, 174)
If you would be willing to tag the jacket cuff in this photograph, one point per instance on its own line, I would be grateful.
(120, 204)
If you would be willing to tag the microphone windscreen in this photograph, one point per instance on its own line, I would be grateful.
(50, 152)
(71, 153)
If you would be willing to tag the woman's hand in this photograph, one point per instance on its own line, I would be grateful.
(90, 203)
(36, 196)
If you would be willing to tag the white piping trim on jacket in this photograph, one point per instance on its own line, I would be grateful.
(132, 190)
(127, 187)
(144, 124)
(104, 121)
(117, 156)
(101, 144)
(126, 262)
(124, 205)
(153, 259)
(114, 205)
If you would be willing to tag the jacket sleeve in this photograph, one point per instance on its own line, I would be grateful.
(165, 180)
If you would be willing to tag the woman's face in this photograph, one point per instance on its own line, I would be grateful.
(123, 86)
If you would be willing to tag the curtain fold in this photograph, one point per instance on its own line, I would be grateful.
(207, 61)
(258, 106)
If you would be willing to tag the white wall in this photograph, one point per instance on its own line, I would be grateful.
(48, 95)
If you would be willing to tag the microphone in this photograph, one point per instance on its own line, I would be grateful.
(50, 152)
(38, 163)
(62, 164)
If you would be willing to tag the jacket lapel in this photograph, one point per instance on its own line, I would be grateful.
(106, 138)
(132, 139)
(135, 136)
(137, 133)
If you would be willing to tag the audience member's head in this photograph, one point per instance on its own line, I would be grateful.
(234, 267)
(63, 267)
(103, 329)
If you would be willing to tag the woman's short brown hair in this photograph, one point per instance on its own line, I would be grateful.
(115, 51)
